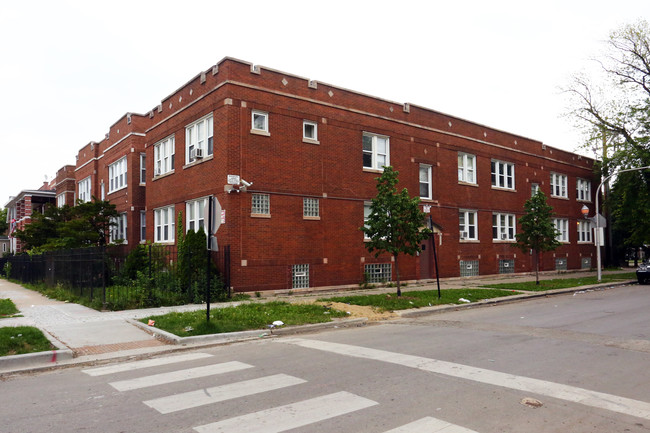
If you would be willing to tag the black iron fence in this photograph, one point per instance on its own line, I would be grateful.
(115, 278)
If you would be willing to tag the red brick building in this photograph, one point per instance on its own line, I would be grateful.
(64, 185)
(21, 207)
(311, 153)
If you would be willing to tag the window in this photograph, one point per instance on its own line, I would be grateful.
(534, 187)
(583, 190)
(377, 272)
(60, 200)
(375, 151)
(260, 204)
(468, 268)
(164, 224)
(309, 131)
(503, 175)
(562, 227)
(584, 231)
(84, 190)
(195, 214)
(310, 208)
(199, 139)
(466, 168)
(143, 168)
(117, 175)
(260, 121)
(102, 187)
(300, 276)
(503, 227)
(467, 225)
(558, 185)
(118, 229)
(425, 182)
(143, 226)
(163, 156)
(366, 215)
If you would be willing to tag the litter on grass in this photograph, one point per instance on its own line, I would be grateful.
(464, 300)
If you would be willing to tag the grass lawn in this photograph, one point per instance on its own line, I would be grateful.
(562, 283)
(7, 308)
(243, 317)
(16, 340)
(417, 299)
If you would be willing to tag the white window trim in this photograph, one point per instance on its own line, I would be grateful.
(508, 230)
(118, 231)
(164, 156)
(265, 129)
(195, 214)
(498, 167)
(143, 226)
(583, 187)
(117, 171)
(562, 226)
(204, 125)
(367, 209)
(465, 234)
(584, 232)
(60, 200)
(159, 223)
(84, 190)
(429, 195)
(143, 169)
(464, 168)
(374, 165)
(311, 140)
(559, 181)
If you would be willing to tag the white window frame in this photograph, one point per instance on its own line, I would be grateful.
(199, 135)
(468, 225)
(534, 187)
(310, 208)
(84, 190)
(504, 227)
(143, 168)
(584, 231)
(559, 185)
(562, 228)
(164, 156)
(260, 204)
(583, 190)
(264, 127)
(195, 215)
(117, 175)
(60, 200)
(370, 147)
(425, 181)
(305, 137)
(467, 168)
(102, 188)
(500, 176)
(118, 230)
(367, 210)
(164, 224)
(143, 226)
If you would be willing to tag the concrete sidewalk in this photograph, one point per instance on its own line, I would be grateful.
(85, 335)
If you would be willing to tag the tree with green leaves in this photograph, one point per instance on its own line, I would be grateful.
(538, 232)
(4, 225)
(396, 223)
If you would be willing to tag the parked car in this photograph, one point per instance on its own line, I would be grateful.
(643, 273)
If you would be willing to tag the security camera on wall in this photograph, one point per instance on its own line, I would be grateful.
(246, 184)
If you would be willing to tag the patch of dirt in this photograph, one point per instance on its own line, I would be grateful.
(357, 311)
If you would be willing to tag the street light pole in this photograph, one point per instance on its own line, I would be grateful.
(597, 236)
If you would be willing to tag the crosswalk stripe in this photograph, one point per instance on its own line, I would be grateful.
(216, 394)
(586, 397)
(135, 365)
(290, 416)
(179, 375)
(430, 425)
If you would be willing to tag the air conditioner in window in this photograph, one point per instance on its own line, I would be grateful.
(504, 236)
(463, 235)
(196, 154)
(157, 171)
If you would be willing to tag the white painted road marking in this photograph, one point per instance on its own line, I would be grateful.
(177, 376)
(146, 363)
(216, 394)
(586, 397)
(290, 416)
(430, 425)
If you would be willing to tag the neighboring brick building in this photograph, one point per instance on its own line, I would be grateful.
(312, 152)
(21, 207)
(64, 185)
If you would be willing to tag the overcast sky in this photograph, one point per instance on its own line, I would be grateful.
(70, 69)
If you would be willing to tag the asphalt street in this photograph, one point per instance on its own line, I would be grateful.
(569, 363)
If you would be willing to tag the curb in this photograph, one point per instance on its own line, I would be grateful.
(51, 357)
(228, 337)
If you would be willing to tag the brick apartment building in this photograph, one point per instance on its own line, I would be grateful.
(21, 207)
(293, 165)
